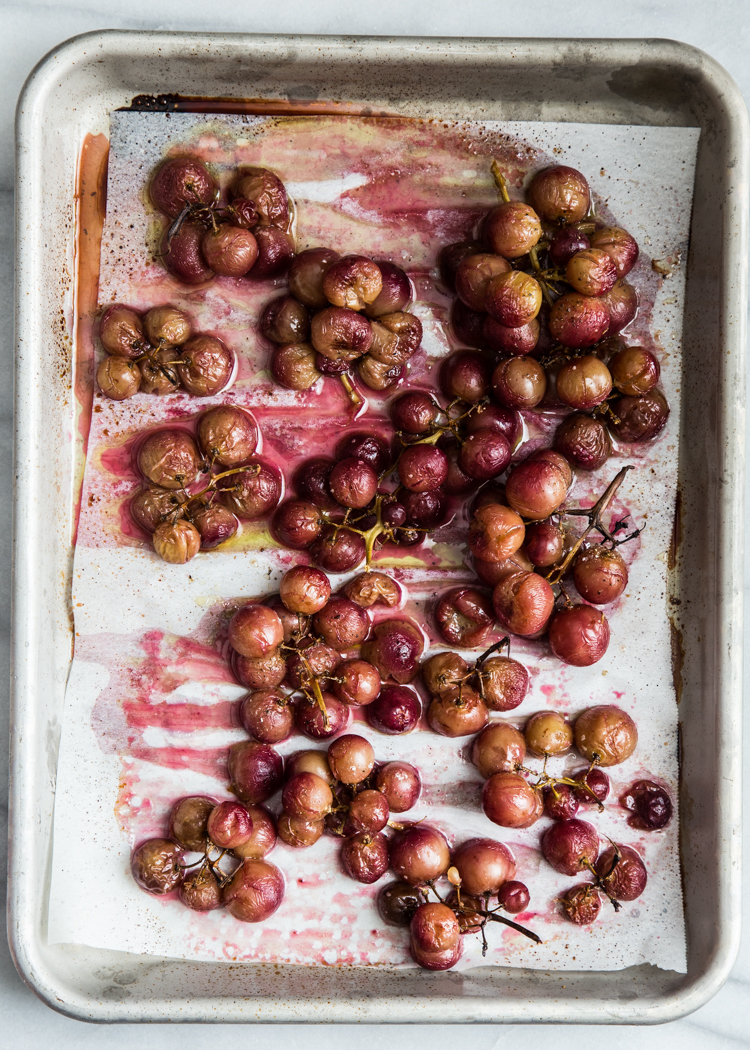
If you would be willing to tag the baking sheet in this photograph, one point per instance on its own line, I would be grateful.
(146, 632)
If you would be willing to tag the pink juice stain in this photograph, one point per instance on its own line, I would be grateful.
(180, 717)
(120, 460)
(145, 671)
(129, 526)
(209, 761)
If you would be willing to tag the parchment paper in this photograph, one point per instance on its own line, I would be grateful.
(147, 717)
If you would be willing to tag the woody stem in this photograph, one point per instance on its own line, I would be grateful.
(594, 515)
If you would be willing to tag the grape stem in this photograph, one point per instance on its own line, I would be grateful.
(600, 881)
(314, 685)
(380, 529)
(493, 649)
(349, 387)
(488, 915)
(373, 534)
(536, 267)
(515, 926)
(594, 514)
(449, 427)
(545, 780)
(225, 474)
(500, 181)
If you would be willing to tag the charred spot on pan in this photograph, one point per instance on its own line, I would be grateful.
(152, 104)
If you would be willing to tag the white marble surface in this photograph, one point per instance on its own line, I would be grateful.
(28, 30)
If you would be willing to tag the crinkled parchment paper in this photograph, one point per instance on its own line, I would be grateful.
(148, 704)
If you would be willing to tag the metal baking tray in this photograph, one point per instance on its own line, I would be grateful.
(71, 93)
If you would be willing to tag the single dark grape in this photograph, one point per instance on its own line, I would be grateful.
(649, 803)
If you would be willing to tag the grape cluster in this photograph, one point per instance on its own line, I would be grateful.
(545, 289)
(199, 480)
(328, 651)
(482, 874)
(346, 507)
(340, 311)
(248, 233)
(463, 696)
(519, 531)
(158, 353)
(343, 793)
(517, 528)
(203, 833)
(515, 796)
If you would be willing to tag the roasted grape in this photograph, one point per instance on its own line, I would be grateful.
(419, 854)
(510, 801)
(395, 710)
(600, 575)
(464, 617)
(622, 873)
(157, 865)
(499, 748)
(578, 635)
(484, 865)
(649, 803)
(568, 844)
(560, 194)
(605, 734)
(401, 785)
(456, 716)
(254, 892)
